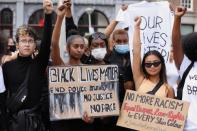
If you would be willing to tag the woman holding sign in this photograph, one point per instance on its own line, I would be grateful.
(150, 75)
(76, 47)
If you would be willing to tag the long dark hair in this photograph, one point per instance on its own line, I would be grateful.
(162, 73)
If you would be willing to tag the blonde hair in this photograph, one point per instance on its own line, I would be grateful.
(25, 30)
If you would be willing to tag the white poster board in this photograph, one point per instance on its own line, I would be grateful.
(156, 26)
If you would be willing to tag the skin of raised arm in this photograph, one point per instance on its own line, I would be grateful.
(138, 75)
(176, 36)
(110, 28)
(55, 52)
(108, 31)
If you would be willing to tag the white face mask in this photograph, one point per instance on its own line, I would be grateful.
(99, 53)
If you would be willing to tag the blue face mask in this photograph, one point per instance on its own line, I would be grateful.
(122, 48)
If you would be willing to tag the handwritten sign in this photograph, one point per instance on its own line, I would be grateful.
(78, 89)
(150, 113)
(156, 26)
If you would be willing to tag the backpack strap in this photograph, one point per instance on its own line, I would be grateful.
(16, 100)
(182, 82)
(156, 88)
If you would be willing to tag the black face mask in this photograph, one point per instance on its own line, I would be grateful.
(12, 48)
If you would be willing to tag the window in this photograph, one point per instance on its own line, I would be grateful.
(98, 20)
(36, 21)
(6, 21)
(188, 4)
(186, 29)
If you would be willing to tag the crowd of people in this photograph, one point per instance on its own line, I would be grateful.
(24, 104)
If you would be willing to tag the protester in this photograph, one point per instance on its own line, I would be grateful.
(185, 58)
(150, 75)
(6, 48)
(75, 46)
(11, 45)
(98, 47)
(121, 57)
(24, 76)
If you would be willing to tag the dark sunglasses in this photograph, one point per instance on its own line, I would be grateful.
(155, 64)
(98, 35)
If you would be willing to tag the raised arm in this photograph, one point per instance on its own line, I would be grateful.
(112, 25)
(70, 25)
(55, 52)
(108, 31)
(110, 28)
(176, 36)
(44, 51)
(138, 75)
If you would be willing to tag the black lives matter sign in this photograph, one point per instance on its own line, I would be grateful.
(78, 89)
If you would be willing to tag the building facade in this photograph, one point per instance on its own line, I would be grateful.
(14, 13)
(189, 21)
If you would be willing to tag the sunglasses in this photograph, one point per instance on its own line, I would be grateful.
(150, 64)
(98, 35)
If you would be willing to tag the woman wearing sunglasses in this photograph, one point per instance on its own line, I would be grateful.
(150, 75)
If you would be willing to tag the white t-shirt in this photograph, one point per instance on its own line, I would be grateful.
(172, 76)
(190, 94)
(2, 86)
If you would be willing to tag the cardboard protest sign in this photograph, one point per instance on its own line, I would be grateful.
(150, 113)
(78, 89)
(156, 26)
(101, 103)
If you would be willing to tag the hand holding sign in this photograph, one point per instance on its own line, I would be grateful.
(47, 6)
(87, 119)
(180, 11)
